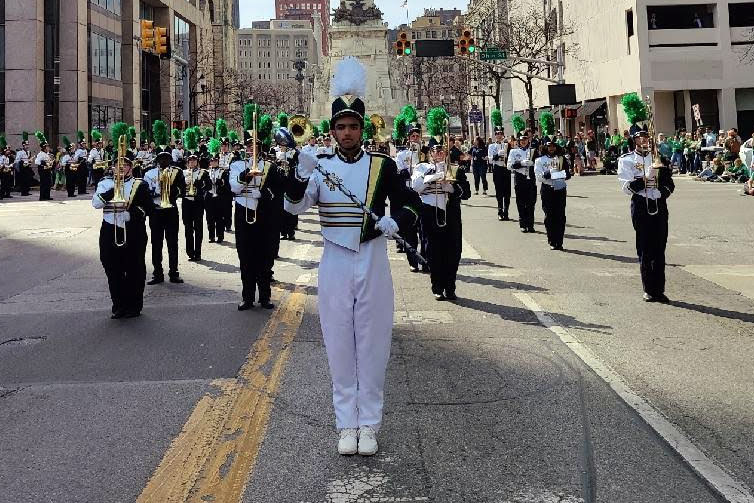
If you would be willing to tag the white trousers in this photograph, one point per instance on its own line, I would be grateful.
(355, 296)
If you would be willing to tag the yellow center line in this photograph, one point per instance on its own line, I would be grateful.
(213, 457)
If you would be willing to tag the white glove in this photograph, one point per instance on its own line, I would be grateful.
(434, 178)
(387, 226)
(306, 164)
(527, 162)
(280, 156)
(448, 187)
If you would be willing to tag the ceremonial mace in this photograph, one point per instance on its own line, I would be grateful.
(284, 138)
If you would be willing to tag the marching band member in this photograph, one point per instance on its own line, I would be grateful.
(124, 265)
(23, 167)
(71, 172)
(311, 147)
(257, 222)
(649, 187)
(219, 180)
(552, 171)
(407, 160)
(437, 183)
(327, 148)
(96, 155)
(44, 164)
(355, 285)
(501, 175)
(82, 172)
(163, 222)
(226, 196)
(521, 161)
(198, 185)
(289, 158)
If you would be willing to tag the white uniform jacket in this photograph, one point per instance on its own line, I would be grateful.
(108, 215)
(497, 149)
(426, 180)
(247, 194)
(632, 166)
(523, 156)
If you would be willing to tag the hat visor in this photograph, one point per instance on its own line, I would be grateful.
(348, 112)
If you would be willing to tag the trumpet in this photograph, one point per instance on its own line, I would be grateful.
(100, 165)
(254, 172)
(118, 203)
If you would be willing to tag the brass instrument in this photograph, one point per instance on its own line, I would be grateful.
(446, 169)
(165, 183)
(254, 172)
(379, 125)
(118, 203)
(191, 193)
(73, 166)
(650, 182)
(300, 128)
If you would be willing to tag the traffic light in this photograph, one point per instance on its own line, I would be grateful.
(147, 35)
(161, 41)
(403, 45)
(466, 44)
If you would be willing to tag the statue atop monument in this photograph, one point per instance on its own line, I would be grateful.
(356, 12)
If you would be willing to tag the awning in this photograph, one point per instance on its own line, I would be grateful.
(590, 107)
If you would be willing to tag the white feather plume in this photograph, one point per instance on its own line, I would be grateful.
(350, 77)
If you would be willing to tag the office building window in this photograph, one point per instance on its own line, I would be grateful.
(680, 17)
(105, 57)
(180, 36)
(101, 117)
(109, 5)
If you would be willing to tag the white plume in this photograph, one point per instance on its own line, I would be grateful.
(350, 77)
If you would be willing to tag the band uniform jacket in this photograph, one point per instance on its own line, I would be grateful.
(631, 166)
(136, 194)
(497, 149)
(263, 194)
(372, 177)
(202, 184)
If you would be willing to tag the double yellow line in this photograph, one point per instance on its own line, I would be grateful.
(213, 456)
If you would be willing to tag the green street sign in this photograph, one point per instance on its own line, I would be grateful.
(493, 54)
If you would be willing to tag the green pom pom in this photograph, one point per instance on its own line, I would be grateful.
(160, 133)
(634, 108)
(214, 146)
(3, 142)
(400, 128)
(176, 133)
(25, 135)
(95, 136)
(80, 135)
(248, 116)
(66, 142)
(519, 124)
(221, 128)
(208, 132)
(316, 132)
(436, 118)
(233, 136)
(131, 133)
(117, 130)
(283, 119)
(369, 130)
(547, 123)
(40, 136)
(324, 125)
(409, 112)
(190, 139)
(497, 118)
(265, 129)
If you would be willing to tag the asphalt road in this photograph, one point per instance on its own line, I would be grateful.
(488, 399)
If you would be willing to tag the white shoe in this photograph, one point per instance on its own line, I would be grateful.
(367, 441)
(347, 445)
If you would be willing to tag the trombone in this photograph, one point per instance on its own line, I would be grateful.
(118, 203)
(253, 173)
(650, 182)
(441, 223)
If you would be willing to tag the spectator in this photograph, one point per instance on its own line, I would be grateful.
(664, 148)
(591, 151)
(677, 158)
(737, 172)
(732, 146)
(710, 138)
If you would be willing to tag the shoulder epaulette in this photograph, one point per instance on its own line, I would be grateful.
(325, 156)
(624, 155)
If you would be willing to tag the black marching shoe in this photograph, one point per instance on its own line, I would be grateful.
(531, 230)
(662, 298)
(414, 269)
(266, 304)
(439, 296)
(176, 279)
(524, 230)
(245, 305)
(219, 240)
(155, 280)
(211, 240)
(118, 314)
(451, 295)
(192, 258)
(505, 217)
(648, 298)
(132, 313)
(500, 217)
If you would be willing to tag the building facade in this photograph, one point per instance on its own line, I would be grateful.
(487, 91)
(271, 53)
(73, 65)
(315, 11)
(684, 56)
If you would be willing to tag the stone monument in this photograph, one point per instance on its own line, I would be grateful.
(358, 31)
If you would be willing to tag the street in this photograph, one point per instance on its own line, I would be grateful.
(548, 380)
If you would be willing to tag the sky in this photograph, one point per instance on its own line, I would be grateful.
(394, 14)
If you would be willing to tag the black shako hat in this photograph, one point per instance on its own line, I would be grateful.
(342, 108)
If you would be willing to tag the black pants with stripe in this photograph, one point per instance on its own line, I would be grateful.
(124, 266)
(192, 213)
(255, 245)
(163, 224)
(651, 240)
(501, 177)
(443, 249)
(526, 200)
(215, 218)
(554, 207)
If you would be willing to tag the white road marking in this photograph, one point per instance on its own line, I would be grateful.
(422, 317)
(723, 483)
(468, 251)
(732, 277)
